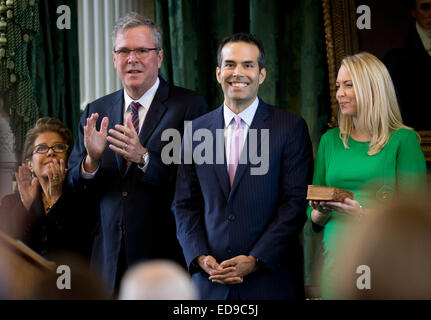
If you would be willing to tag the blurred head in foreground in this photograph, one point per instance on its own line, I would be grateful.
(157, 280)
(73, 279)
(387, 255)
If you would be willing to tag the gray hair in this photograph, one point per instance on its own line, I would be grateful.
(132, 20)
(157, 280)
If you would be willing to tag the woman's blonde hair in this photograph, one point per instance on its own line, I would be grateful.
(378, 112)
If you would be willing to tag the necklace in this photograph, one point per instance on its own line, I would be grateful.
(46, 205)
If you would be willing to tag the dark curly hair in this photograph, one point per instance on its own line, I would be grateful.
(46, 125)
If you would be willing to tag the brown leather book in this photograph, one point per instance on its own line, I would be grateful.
(328, 193)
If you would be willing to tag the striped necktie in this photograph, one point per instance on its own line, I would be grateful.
(134, 109)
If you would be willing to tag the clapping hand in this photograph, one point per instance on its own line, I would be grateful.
(125, 141)
(27, 186)
(94, 141)
(56, 176)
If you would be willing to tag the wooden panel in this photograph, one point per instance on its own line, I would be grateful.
(21, 269)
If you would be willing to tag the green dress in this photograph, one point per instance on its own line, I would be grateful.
(400, 165)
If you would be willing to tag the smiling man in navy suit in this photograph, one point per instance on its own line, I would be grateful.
(117, 155)
(239, 226)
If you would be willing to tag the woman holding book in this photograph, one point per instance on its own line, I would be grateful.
(371, 153)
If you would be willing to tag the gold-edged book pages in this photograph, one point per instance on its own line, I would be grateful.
(323, 193)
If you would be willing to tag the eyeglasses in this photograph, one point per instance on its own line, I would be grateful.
(140, 53)
(57, 148)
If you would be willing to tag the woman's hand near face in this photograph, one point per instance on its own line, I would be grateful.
(56, 177)
(27, 186)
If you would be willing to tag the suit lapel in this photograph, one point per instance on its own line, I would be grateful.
(218, 144)
(115, 115)
(258, 123)
(154, 114)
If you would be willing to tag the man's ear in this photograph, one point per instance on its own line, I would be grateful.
(262, 75)
(159, 58)
(218, 71)
(114, 60)
(413, 13)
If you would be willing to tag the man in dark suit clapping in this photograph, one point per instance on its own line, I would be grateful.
(117, 155)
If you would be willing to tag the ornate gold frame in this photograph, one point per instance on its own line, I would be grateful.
(341, 40)
(426, 143)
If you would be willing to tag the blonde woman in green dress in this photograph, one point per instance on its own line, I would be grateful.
(371, 153)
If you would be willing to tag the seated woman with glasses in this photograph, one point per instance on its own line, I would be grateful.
(42, 213)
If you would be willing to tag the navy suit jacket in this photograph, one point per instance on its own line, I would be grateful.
(131, 203)
(261, 215)
(405, 64)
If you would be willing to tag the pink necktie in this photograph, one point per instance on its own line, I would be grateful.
(236, 142)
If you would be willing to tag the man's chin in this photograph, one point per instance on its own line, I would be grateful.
(239, 94)
(427, 27)
(241, 100)
(134, 83)
(133, 86)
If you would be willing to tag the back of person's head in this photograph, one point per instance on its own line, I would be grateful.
(42, 125)
(157, 280)
(388, 252)
(378, 111)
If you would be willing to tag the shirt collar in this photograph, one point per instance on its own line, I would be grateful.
(424, 36)
(146, 99)
(246, 115)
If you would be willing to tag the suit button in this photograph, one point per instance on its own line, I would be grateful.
(228, 249)
(231, 217)
(124, 193)
(44, 238)
(384, 195)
